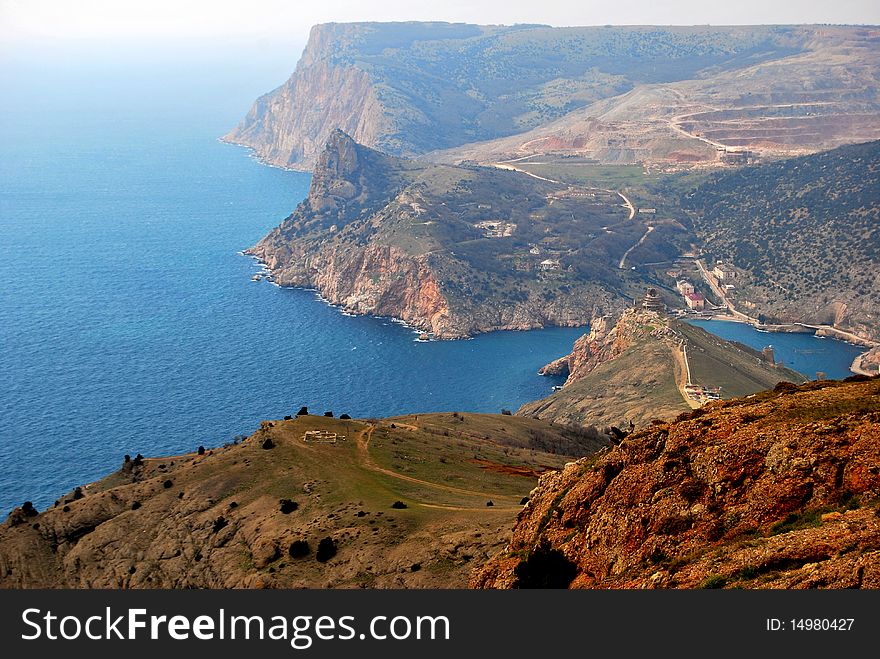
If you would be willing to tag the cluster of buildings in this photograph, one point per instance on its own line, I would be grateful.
(701, 393)
(694, 300)
(496, 228)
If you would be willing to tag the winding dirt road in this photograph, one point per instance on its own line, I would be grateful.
(363, 445)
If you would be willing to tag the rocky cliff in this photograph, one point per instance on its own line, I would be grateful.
(777, 490)
(387, 236)
(289, 126)
(632, 370)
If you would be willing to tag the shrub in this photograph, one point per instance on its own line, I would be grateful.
(398, 505)
(489, 503)
(326, 550)
(523, 501)
(66, 509)
(27, 508)
(299, 548)
(545, 567)
(287, 506)
(415, 567)
(303, 411)
(328, 413)
(167, 484)
(713, 581)
(506, 412)
(201, 450)
(220, 523)
(135, 505)
(268, 443)
(288, 417)
(344, 416)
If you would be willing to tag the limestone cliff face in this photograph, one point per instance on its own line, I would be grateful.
(606, 340)
(374, 280)
(289, 126)
(778, 490)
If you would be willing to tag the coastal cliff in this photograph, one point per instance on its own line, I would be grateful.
(288, 126)
(418, 88)
(387, 236)
(778, 490)
(632, 370)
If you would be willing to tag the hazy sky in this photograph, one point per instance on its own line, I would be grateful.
(100, 19)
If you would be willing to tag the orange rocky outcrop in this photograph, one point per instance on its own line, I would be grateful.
(777, 490)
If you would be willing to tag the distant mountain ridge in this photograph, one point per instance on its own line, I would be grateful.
(413, 88)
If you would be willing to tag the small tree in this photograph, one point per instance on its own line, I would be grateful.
(326, 550)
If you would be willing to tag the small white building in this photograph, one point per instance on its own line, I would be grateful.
(550, 264)
(684, 287)
(723, 272)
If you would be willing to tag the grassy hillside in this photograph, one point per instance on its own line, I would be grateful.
(238, 516)
(457, 250)
(806, 230)
(734, 367)
(638, 386)
(644, 381)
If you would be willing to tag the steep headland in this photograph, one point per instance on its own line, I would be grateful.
(635, 369)
(615, 94)
(454, 250)
(777, 490)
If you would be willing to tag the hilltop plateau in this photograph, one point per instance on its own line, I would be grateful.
(404, 502)
(615, 94)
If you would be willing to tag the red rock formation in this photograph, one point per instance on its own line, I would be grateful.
(778, 490)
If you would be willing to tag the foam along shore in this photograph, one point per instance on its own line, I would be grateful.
(265, 273)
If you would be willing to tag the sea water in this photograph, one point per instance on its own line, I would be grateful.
(128, 319)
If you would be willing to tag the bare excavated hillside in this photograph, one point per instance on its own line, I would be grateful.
(408, 502)
(776, 490)
(817, 97)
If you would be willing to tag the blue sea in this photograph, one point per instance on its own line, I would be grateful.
(128, 319)
(805, 353)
